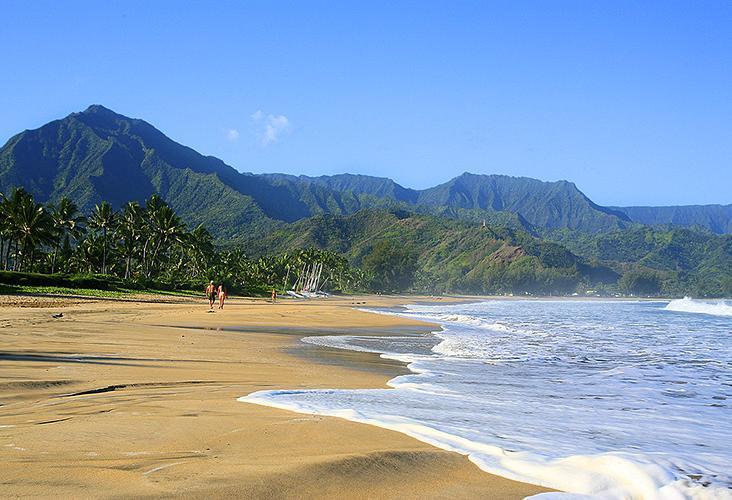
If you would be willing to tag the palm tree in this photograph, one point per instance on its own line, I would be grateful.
(68, 223)
(166, 228)
(152, 206)
(86, 256)
(129, 231)
(4, 227)
(10, 207)
(201, 247)
(103, 219)
(33, 226)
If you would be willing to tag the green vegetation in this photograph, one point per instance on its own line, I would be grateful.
(666, 260)
(148, 247)
(97, 285)
(138, 249)
(104, 193)
(391, 266)
(98, 155)
(400, 251)
(715, 218)
(58, 290)
(456, 256)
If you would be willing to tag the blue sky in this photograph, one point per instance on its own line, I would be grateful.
(630, 100)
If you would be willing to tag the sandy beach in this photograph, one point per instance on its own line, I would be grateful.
(138, 398)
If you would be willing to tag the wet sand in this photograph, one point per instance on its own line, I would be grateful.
(120, 399)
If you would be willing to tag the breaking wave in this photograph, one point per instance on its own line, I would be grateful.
(689, 305)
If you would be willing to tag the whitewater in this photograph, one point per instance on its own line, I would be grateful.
(609, 399)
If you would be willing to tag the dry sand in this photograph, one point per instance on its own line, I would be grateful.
(120, 399)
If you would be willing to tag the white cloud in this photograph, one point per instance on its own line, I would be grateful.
(270, 127)
(232, 134)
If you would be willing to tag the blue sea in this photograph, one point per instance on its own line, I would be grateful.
(609, 399)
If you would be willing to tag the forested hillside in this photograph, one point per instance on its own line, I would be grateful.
(675, 260)
(716, 218)
(458, 256)
(100, 155)
(474, 233)
(445, 255)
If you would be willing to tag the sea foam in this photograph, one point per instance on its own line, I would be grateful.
(689, 305)
(615, 399)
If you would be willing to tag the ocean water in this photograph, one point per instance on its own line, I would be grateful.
(610, 399)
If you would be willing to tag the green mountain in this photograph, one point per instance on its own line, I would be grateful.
(474, 233)
(460, 256)
(716, 218)
(100, 155)
(377, 187)
(449, 255)
(545, 205)
(684, 260)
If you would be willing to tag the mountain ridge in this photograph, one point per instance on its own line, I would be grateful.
(98, 154)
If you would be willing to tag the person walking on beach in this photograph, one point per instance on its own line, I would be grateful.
(222, 295)
(211, 294)
(274, 295)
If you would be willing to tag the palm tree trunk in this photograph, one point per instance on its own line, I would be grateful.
(144, 257)
(104, 250)
(7, 257)
(127, 266)
(6, 265)
(53, 260)
(18, 262)
(154, 256)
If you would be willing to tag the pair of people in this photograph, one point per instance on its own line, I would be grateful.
(213, 292)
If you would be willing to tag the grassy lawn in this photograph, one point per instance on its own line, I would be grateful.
(88, 292)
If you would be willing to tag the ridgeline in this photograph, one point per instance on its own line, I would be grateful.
(472, 234)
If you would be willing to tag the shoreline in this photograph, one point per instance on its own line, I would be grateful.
(105, 402)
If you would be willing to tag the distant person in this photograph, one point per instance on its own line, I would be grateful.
(222, 295)
(211, 294)
(274, 295)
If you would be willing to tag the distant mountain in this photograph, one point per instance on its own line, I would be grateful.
(451, 255)
(378, 187)
(690, 261)
(716, 218)
(100, 155)
(457, 256)
(547, 205)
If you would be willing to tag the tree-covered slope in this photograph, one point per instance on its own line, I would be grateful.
(546, 205)
(716, 218)
(453, 255)
(685, 261)
(377, 187)
(539, 204)
(449, 255)
(99, 155)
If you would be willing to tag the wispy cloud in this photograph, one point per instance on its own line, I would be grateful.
(232, 134)
(270, 127)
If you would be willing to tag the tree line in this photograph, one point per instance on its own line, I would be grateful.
(147, 243)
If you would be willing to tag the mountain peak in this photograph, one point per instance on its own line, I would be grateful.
(99, 117)
(98, 154)
(98, 109)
